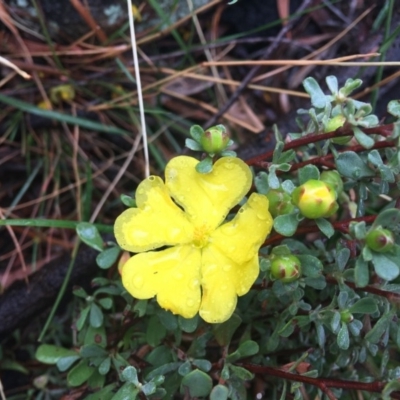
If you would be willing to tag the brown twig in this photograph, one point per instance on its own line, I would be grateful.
(256, 68)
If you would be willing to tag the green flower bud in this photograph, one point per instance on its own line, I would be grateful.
(315, 199)
(279, 202)
(334, 179)
(285, 268)
(214, 140)
(346, 316)
(380, 240)
(335, 123)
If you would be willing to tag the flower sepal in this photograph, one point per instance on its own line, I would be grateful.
(380, 240)
(315, 199)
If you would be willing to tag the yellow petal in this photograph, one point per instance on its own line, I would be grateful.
(157, 221)
(241, 238)
(207, 198)
(172, 274)
(222, 280)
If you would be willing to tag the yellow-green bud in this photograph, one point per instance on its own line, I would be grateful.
(346, 316)
(334, 179)
(335, 123)
(315, 199)
(380, 240)
(285, 268)
(214, 139)
(279, 202)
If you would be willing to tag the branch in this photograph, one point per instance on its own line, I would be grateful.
(322, 383)
(383, 130)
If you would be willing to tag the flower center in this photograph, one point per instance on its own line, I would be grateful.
(200, 236)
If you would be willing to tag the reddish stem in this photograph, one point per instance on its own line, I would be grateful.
(384, 130)
(322, 383)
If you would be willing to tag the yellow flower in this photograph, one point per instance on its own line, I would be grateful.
(207, 263)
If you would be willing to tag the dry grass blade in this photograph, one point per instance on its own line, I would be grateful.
(9, 64)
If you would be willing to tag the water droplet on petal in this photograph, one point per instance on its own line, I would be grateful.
(261, 216)
(138, 282)
(179, 275)
(194, 284)
(228, 165)
(140, 191)
(224, 287)
(173, 233)
(190, 302)
(227, 267)
(228, 229)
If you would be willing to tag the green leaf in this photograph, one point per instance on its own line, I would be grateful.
(228, 153)
(365, 141)
(188, 325)
(204, 365)
(205, 166)
(128, 391)
(96, 380)
(89, 234)
(193, 145)
(96, 316)
(149, 388)
(325, 227)
(93, 350)
(65, 363)
(219, 392)
(223, 332)
(375, 334)
(185, 368)
(50, 354)
(342, 256)
(286, 224)
(82, 318)
(310, 266)
(361, 273)
(155, 331)
(128, 200)
(318, 98)
(168, 319)
(355, 327)
(350, 165)
(366, 305)
(393, 108)
(307, 173)
(332, 83)
(105, 365)
(248, 348)
(198, 384)
(316, 283)
(106, 393)
(196, 132)
(388, 219)
(106, 303)
(129, 374)
(108, 257)
(343, 338)
(261, 182)
(241, 373)
(80, 373)
(384, 267)
(96, 336)
(273, 181)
